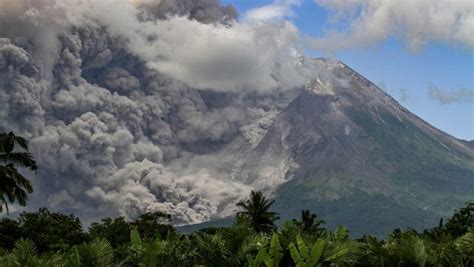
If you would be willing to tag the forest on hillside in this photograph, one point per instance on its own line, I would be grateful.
(46, 238)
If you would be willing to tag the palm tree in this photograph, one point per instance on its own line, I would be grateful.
(97, 252)
(309, 223)
(213, 249)
(13, 185)
(25, 253)
(255, 210)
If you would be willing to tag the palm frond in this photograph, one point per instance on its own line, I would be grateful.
(98, 253)
(25, 251)
(22, 159)
(465, 246)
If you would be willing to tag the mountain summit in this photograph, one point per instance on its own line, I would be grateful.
(178, 107)
(118, 138)
(360, 159)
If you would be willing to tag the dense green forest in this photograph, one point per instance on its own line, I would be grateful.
(46, 238)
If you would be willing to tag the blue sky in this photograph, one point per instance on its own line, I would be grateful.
(405, 73)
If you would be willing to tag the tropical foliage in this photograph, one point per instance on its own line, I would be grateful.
(256, 213)
(44, 238)
(14, 187)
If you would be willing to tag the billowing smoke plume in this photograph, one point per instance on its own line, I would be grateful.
(143, 105)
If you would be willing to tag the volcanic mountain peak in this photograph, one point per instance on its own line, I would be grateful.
(348, 151)
(348, 145)
(360, 93)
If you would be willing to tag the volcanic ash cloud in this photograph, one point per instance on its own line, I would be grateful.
(144, 105)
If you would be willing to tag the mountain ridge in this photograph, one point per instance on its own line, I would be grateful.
(348, 144)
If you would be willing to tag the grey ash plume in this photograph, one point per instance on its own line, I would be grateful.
(106, 92)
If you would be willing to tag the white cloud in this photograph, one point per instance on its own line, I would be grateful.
(416, 21)
(277, 10)
(452, 96)
(232, 56)
(243, 56)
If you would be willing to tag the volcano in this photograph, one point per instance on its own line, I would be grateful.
(117, 138)
(178, 107)
(360, 159)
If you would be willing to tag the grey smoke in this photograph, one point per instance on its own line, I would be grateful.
(232, 56)
(106, 92)
(403, 94)
(205, 11)
(450, 97)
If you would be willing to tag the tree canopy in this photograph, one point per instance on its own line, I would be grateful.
(14, 187)
(255, 209)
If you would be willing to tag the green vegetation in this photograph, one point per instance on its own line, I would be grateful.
(13, 185)
(256, 213)
(417, 154)
(425, 180)
(45, 238)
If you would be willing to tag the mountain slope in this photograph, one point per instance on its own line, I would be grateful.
(360, 159)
